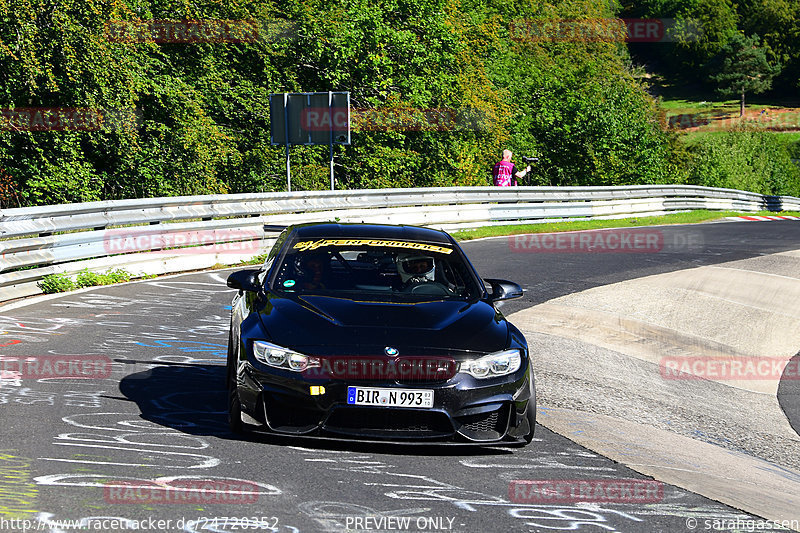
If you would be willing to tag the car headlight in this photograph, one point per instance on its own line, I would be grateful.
(493, 365)
(279, 357)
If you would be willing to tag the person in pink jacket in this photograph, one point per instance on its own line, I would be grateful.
(505, 173)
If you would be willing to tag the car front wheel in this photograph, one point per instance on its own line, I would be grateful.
(530, 416)
(234, 405)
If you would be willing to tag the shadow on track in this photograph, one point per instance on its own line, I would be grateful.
(191, 398)
(789, 392)
(186, 397)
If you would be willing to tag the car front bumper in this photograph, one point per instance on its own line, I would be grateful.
(465, 409)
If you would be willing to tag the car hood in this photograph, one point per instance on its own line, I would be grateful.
(325, 325)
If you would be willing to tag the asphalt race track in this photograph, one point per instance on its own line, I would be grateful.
(149, 441)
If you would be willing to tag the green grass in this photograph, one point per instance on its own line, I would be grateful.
(685, 105)
(685, 112)
(681, 105)
(691, 217)
(691, 95)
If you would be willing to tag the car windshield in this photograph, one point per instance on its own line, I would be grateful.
(375, 270)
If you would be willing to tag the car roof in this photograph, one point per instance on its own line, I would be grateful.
(370, 231)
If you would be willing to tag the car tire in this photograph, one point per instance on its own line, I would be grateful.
(234, 413)
(234, 405)
(235, 417)
(530, 414)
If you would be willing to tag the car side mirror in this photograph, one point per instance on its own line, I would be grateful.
(503, 290)
(244, 280)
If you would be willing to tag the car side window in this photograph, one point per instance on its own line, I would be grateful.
(273, 253)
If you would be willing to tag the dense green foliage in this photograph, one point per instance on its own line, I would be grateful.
(733, 49)
(744, 160)
(778, 23)
(56, 283)
(202, 114)
(704, 29)
(86, 278)
(63, 283)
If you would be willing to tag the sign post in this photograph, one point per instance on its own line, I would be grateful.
(310, 119)
(286, 130)
(330, 142)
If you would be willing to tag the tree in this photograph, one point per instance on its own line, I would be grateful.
(696, 31)
(777, 22)
(202, 113)
(744, 69)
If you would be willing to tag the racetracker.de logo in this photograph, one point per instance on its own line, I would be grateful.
(729, 368)
(392, 119)
(632, 241)
(775, 120)
(186, 491)
(163, 31)
(221, 241)
(54, 366)
(68, 119)
(369, 368)
(610, 30)
(586, 490)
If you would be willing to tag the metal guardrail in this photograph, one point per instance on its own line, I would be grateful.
(161, 235)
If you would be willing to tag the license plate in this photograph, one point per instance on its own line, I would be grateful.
(390, 397)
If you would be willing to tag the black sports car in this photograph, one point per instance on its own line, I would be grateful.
(376, 332)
